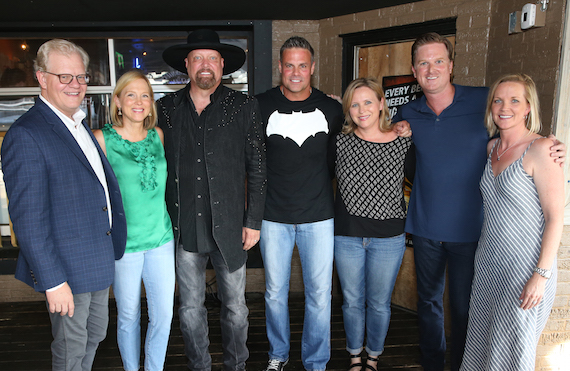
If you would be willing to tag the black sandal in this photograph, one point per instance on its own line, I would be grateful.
(370, 367)
(357, 364)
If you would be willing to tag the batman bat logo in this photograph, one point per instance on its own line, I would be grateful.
(298, 126)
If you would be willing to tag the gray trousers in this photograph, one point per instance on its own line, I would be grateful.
(75, 339)
(191, 277)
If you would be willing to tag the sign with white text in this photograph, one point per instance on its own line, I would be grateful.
(400, 90)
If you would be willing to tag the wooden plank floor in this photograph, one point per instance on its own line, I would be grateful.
(25, 339)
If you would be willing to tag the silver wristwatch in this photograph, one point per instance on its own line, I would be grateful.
(546, 273)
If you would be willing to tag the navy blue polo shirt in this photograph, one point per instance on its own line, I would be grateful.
(451, 152)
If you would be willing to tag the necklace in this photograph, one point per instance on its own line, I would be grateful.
(509, 147)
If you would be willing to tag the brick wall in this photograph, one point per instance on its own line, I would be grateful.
(282, 30)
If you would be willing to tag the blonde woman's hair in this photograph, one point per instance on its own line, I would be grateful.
(349, 126)
(533, 122)
(126, 79)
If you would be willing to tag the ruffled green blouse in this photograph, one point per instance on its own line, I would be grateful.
(140, 168)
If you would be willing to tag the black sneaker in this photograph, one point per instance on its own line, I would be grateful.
(275, 365)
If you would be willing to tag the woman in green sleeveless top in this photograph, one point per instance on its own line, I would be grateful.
(134, 148)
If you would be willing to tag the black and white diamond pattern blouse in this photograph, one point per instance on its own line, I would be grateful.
(370, 186)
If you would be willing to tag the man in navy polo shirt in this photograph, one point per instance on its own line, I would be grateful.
(445, 213)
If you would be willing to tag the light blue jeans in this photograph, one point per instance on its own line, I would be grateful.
(156, 269)
(315, 242)
(367, 269)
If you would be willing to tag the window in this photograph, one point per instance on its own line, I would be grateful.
(110, 58)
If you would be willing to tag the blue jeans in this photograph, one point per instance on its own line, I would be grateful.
(367, 269)
(431, 258)
(191, 274)
(315, 242)
(155, 268)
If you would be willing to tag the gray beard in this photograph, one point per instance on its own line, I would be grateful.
(205, 83)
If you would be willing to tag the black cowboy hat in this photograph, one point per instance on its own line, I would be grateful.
(234, 56)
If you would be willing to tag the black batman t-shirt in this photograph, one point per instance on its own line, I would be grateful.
(297, 133)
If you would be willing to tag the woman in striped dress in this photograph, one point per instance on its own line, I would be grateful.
(515, 264)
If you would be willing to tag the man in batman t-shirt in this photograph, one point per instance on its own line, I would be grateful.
(299, 123)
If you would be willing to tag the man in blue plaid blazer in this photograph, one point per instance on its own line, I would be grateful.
(65, 205)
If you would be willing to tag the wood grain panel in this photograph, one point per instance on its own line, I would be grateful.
(392, 59)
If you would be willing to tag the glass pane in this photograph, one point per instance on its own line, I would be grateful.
(17, 56)
(96, 106)
(146, 54)
(11, 108)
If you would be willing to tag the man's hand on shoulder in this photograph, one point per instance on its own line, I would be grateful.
(249, 237)
(338, 98)
(61, 301)
(403, 129)
(558, 150)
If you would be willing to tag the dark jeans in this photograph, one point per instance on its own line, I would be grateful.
(431, 258)
(191, 276)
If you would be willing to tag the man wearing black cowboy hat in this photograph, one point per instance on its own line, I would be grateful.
(213, 142)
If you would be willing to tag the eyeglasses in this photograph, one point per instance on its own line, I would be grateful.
(66, 78)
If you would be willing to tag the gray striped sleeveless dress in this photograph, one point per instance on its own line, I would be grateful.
(501, 335)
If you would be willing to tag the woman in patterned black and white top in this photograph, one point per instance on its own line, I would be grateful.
(369, 217)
